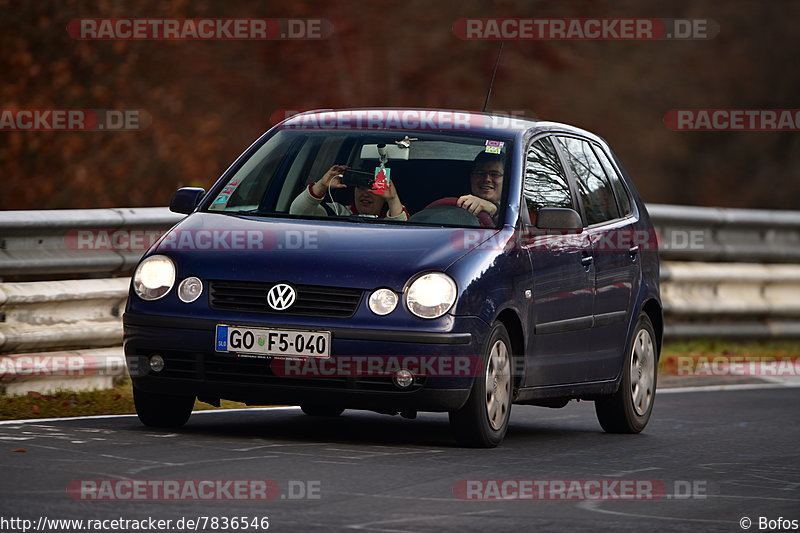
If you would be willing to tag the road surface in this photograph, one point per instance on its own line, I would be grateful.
(707, 460)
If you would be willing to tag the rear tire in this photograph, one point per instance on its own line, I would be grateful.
(628, 410)
(483, 421)
(321, 410)
(162, 410)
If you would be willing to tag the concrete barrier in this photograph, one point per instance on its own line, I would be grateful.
(61, 334)
(728, 289)
(74, 370)
(44, 315)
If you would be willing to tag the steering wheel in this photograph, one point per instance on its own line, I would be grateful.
(483, 217)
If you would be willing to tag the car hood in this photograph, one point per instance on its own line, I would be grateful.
(319, 252)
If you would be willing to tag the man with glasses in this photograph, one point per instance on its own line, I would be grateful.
(486, 182)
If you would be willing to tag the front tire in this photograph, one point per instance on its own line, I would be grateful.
(628, 410)
(483, 421)
(162, 410)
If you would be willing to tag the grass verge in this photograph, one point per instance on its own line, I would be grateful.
(116, 401)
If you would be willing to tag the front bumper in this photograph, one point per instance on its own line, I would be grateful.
(194, 368)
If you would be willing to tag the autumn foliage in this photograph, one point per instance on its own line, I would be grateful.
(209, 100)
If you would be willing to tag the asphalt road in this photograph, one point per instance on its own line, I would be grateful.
(719, 456)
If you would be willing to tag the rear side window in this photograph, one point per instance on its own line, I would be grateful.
(623, 200)
(594, 188)
(546, 183)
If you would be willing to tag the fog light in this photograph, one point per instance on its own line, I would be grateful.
(383, 301)
(156, 363)
(190, 289)
(403, 378)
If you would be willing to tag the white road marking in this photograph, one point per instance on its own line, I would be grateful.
(721, 388)
(99, 417)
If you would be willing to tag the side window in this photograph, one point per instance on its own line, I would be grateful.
(623, 200)
(247, 187)
(594, 188)
(546, 183)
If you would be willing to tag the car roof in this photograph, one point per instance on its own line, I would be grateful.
(410, 118)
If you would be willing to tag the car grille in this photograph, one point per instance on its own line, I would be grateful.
(312, 300)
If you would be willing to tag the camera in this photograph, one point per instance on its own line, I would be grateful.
(358, 178)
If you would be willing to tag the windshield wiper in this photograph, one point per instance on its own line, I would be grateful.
(256, 212)
(358, 217)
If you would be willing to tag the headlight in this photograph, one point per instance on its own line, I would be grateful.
(431, 295)
(154, 277)
(190, 289)
(383, 301)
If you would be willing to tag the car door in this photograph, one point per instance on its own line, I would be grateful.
(560, 313)
(611, 230)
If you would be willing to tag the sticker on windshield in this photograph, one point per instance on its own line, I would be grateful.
(382, 180)
(494, 147)
(221, 201)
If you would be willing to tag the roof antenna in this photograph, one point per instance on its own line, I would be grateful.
(491, 83)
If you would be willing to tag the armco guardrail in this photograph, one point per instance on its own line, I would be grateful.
(50, 242)
(725, 273)
(726, 234)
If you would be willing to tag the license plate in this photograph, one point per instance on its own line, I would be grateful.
(275, 342)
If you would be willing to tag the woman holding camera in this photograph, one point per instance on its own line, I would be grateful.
(365, 201)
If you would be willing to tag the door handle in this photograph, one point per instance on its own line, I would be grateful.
(586, 261)
(634, 251)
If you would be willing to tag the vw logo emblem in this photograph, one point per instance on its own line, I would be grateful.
(281, 296)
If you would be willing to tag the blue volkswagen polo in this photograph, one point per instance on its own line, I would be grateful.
(404, 260)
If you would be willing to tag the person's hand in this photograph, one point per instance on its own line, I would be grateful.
(392, 199)
(331, 179)
(475, 205)
(390, 193)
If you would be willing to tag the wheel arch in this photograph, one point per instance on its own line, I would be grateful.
(656, 315)
(510, 319)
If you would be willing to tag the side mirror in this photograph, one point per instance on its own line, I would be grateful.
(559, 218)
(186, 199)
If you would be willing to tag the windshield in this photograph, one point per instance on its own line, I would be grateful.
(382, 177)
